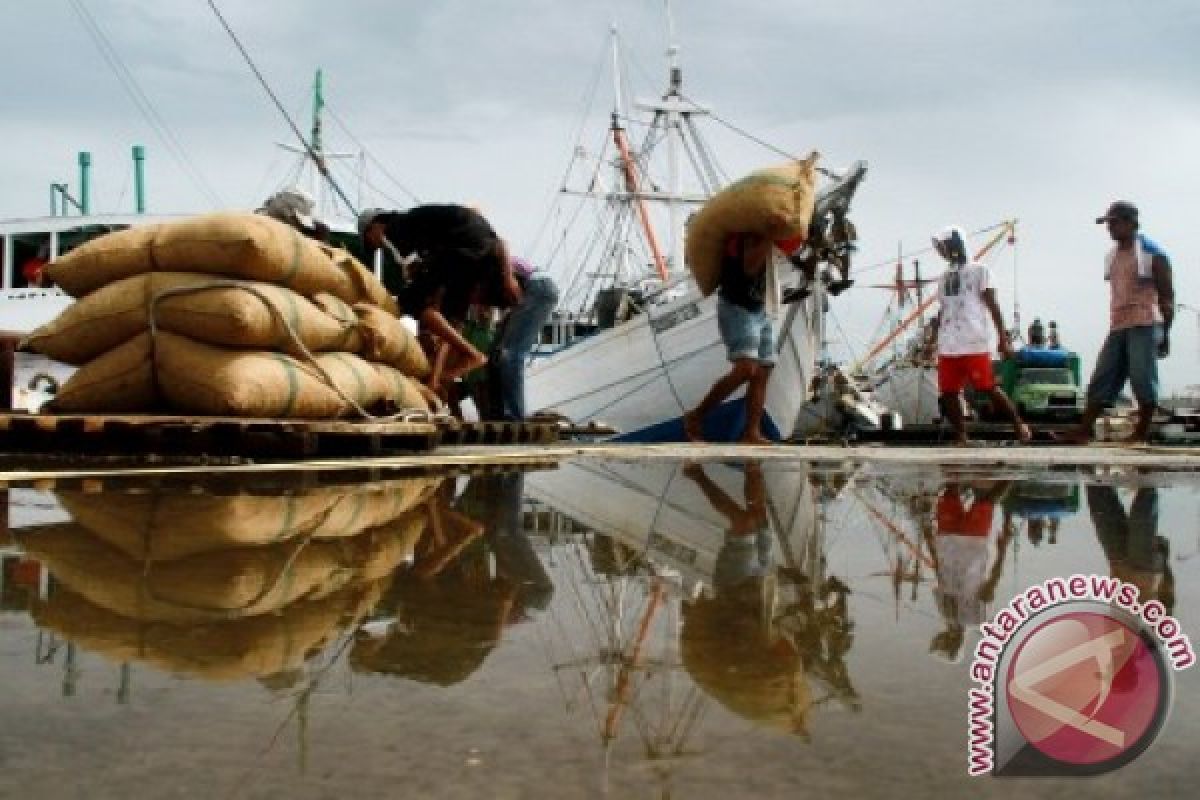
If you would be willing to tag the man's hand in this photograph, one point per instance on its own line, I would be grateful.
(512, 290)
(1164, 345)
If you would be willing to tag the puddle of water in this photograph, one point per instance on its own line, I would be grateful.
(603, 628)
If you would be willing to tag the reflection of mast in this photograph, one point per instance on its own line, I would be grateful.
(627, 610)
(633, 661)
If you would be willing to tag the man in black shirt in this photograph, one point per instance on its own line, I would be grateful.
(746, 331)
(451, 258)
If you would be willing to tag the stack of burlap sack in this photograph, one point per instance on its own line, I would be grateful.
(224, 587)
(228, 314)
(775, 203)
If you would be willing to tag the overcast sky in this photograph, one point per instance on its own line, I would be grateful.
(968, 112)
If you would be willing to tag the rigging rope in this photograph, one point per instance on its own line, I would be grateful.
(308, 148)
(143, 103)
(371, 156)
(306, 356)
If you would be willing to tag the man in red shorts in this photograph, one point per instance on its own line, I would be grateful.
(967, 314)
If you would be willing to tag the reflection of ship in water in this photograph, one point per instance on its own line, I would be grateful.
(664, 594)
(691, 584)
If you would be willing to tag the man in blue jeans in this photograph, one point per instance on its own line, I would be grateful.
(746, 332)
(1140, 315)
(517, 337)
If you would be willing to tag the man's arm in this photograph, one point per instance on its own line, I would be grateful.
(1161, 269)
(931, 337)
(1004, 346)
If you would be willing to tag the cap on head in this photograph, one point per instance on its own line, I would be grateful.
(1122, 210)
(951, 242)
(291, 204)
(366, 217)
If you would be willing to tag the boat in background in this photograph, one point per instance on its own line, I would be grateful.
(634, 343)
(26, 245)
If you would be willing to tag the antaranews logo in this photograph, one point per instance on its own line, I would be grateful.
(1074, 677)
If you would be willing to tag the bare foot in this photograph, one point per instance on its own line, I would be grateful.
(754, 438)
(1024, 435)
(693, 427)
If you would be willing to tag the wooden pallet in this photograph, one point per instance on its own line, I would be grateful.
(159, 435)
(468, 433)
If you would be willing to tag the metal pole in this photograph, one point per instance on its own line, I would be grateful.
(85, 186)
(139, 178)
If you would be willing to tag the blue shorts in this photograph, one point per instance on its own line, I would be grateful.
(1129, 354)
(746, 334)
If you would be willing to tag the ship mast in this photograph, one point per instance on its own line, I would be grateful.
(629, 168)
(674, 116)
(313, 166)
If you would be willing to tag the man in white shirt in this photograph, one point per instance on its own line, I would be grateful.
(968, 312)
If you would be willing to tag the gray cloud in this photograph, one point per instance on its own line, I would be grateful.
(968, 111)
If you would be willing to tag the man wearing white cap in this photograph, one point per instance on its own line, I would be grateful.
(968, 311)
(294, 207)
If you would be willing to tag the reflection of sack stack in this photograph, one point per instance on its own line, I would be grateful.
(162, 526)
(232, 315)
(232, 650)
(776, 203)
(224, 587)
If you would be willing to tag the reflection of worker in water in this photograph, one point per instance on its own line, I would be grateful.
(1136, 553)
(968, 558)
(475, 573)
(746, 552)
(754, 655)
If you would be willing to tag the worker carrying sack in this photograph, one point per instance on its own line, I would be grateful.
(775, 203)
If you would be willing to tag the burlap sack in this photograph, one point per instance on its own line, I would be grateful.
(274, 644)
(385, 340)
(250, 581)
(776, 203)
(404, 393)
(254, 247)
(369, 288)
(103, 260)
(228, 584)
(197, 378)
(168, 525)
(121, 380)
(257, 315)
(379, 552)
(163, 526)
(343, 313)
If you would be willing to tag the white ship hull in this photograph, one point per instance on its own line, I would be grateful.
(657, 511)
(910, 390)
(643, 374)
